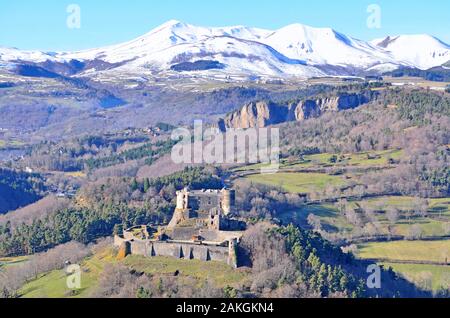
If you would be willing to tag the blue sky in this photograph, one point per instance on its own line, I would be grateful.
(31, 24)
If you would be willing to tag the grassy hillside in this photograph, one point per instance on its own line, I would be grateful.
(298, 182)
(419, 251)
(405, 259)
(428, 277)
(11, 261)
(344, 199)
(361, 159)
(356, 193)
(53, 284)
(435, 224)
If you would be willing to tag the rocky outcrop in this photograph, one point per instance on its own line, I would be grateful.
(262, 114)
(257, 114)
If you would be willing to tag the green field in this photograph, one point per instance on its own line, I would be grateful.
(436, 224)
(53, 284)
(437, 207)
(434, 251)
(374, 158)
(298, 182)
(220, 273)
(428, 277)
(440, 207)
(429, 227)
(11, 144)
(331, 220)
(12, 261)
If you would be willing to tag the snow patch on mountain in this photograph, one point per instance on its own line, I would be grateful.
(239, 56)
(13, 54)
(325, 46)
(421, 51)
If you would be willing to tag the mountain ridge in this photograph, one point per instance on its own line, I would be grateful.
(295, 50)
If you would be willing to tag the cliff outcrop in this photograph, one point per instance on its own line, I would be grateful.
(265, 113)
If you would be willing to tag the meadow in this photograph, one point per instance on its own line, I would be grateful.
(12, 261)
(407, 251)
(407, 259)
(298, 182)
(53, 284)
(428, 277)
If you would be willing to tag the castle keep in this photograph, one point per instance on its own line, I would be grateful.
(203, 227)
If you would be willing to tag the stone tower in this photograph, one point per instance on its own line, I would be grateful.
(232, 252)
(182, 199)
(228, 201)
(181, 208)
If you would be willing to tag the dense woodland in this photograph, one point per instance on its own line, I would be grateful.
(437, 74)
(289, 262)
(19, 189)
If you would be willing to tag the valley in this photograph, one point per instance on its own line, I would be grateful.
(359, 192)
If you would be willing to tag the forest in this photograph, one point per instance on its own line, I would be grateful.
(19, 189)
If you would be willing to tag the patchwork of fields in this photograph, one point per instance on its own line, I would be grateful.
(423, 262)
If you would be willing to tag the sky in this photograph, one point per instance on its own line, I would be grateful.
(42, 25)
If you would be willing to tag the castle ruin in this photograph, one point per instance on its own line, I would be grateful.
(203, 227)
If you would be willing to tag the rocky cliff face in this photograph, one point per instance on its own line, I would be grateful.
(257, 114)
(262, 114)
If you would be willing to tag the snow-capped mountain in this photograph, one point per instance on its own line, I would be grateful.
(237, 56)
(13, 54)
(420, 51)
(325, 46)
(168, 35)
(236, 48)
(293, 51)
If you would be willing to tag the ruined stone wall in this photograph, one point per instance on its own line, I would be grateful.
(119, 240)
(203, 201)
(180, 250)
(226, 224)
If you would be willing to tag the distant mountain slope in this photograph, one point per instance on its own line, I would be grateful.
(167, 35)
(435, 74)
(325, 46)
(293, 51)
(14, 54)
(420, 51)
(238, 57)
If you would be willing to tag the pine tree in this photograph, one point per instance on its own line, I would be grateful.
(146, 185)
(134, 185)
